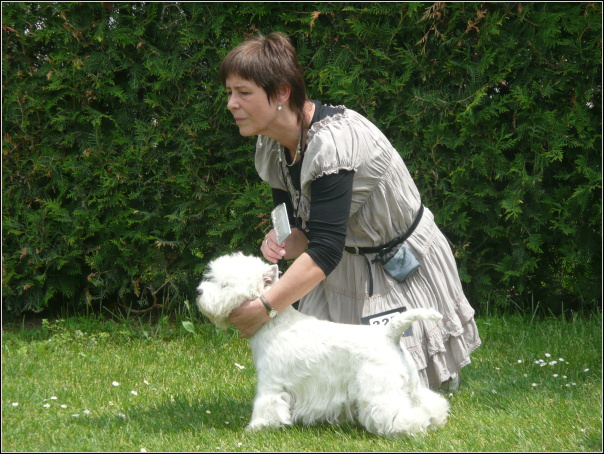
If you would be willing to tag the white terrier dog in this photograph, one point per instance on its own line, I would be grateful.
(317, 371)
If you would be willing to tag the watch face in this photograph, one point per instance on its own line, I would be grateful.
(273, 313)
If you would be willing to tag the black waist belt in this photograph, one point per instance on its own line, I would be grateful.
(386, 246)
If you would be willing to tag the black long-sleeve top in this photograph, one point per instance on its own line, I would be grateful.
(330, 200)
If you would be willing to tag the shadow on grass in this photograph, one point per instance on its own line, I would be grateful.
(223, 413)
(181, 413)
(174, 415)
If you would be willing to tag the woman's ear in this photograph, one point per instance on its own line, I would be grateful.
(283, 94)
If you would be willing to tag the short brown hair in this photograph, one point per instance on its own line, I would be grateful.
(269, 62)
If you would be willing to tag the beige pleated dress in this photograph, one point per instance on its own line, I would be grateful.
(384, 203)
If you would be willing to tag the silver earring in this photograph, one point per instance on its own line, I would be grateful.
(279, 108)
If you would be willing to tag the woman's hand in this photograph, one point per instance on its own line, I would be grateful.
(249, 317)
(291, 248)
(300, 278)
(272, 251)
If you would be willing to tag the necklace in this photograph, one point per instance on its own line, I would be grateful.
(295, 158)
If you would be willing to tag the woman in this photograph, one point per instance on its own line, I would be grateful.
(348, 192)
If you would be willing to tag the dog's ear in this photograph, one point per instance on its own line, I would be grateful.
(271, 275)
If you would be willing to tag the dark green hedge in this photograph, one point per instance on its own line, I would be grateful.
(123, 173)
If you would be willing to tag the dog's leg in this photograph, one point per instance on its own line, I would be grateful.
(428, 410)
(271, 409)
(435, 405)
(394, 403)
(393, 416)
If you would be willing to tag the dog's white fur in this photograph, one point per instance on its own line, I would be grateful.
(311, 370)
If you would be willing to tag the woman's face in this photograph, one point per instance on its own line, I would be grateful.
(249, 105)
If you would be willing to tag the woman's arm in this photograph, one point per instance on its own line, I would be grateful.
(331, 197)
(300, 278)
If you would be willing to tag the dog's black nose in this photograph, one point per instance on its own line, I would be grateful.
(199, 291)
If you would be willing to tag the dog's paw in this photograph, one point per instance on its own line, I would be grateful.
(257, 425)
(252, 428)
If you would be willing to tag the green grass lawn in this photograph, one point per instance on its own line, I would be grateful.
(85, 384)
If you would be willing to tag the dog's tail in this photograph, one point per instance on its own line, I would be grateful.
(399, 324)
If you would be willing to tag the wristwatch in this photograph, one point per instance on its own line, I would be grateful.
(272, 313)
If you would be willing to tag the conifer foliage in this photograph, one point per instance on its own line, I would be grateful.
(123, 173)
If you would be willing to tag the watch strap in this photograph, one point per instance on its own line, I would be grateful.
(268, 307)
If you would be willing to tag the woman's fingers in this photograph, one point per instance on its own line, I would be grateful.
(272, 251)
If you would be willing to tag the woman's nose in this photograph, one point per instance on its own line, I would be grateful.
(232, 103)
